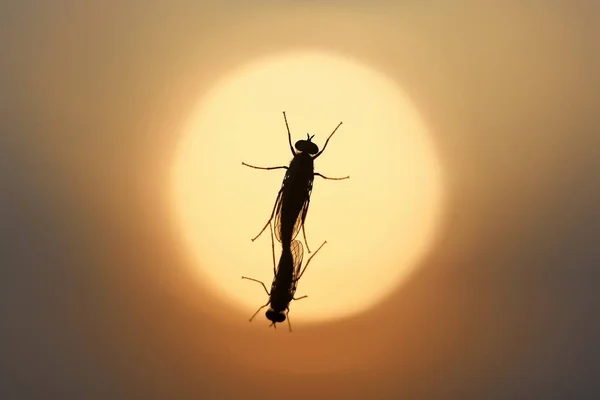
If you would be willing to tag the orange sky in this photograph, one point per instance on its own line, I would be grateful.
(98, 296)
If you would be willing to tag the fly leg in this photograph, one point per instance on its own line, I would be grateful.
(287, 316)
(273, 250)
(304, 212)
(289, 134)
(327, 141)
(257, 311)
(287, 311)
(308, 262)
(333, 179)
(304, 234)
(256, 280)
(267, 168)
(272, 214)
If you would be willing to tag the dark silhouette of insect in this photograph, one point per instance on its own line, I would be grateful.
(293, 199)
(287, 274)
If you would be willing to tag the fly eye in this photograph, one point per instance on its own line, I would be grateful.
(275, 316)
(280, 317)
(271, 315)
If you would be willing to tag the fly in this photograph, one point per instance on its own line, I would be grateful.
(287, 274)
(293, 199)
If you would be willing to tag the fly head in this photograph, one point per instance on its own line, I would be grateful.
(307, 146)
(275, 316)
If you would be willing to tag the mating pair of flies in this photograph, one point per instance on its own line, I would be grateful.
(289, 214)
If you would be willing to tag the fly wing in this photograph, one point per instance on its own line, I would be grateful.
(277, 211)
(297, 224)
(297, 256)
(299, 218)
(277, 222)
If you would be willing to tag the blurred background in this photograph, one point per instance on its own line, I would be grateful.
(97, 300)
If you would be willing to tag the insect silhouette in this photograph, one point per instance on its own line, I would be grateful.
(293, 199)
(284, 285)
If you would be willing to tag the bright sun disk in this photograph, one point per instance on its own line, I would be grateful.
(377, 224)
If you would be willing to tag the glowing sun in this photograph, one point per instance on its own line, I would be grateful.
(377, 224)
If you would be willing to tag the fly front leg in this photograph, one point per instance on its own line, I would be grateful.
(289, 134)
(267, 168)
(327, 141)
(287, 316)
(300, 298)
(332, 179)
(257, 311)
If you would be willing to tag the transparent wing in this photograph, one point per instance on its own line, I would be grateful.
(297, 223)
(277, 218)
(277, 223)
(300, 218)
(297, 256)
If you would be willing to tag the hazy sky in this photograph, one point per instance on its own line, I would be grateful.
(96, 298)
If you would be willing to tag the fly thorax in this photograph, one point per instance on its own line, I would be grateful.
(306, 163)
(301, 165)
